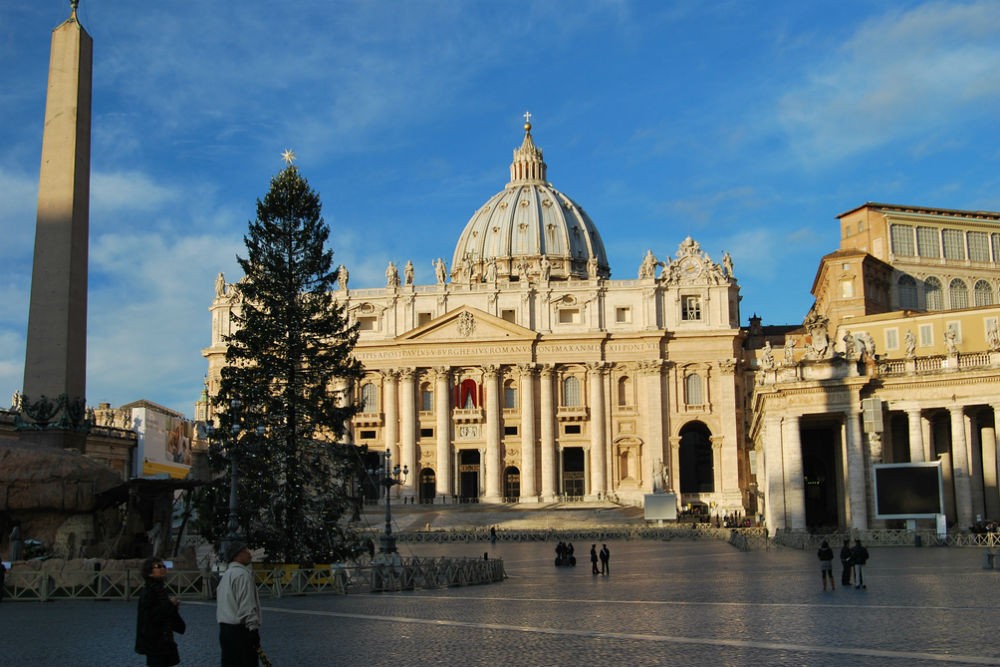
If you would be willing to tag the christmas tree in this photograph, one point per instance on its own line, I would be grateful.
(288, 366)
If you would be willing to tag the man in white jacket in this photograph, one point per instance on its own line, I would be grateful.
(238, 610)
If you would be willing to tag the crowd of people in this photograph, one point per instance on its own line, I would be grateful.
(852, 561)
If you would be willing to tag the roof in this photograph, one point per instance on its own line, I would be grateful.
(926, 210)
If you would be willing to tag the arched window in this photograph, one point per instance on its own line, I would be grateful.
(692, 390)
(571, 392)
(369, 397)
(907, 293)
(625, 391)
(510, 395)
(933, 294)
(468, 394)
(983, 293)
(958, 294)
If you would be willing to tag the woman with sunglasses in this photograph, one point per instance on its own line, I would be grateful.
(158, 618)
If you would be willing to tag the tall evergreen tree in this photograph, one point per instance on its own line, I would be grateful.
(289, 354)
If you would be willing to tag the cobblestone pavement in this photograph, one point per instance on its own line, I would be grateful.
(674, 602)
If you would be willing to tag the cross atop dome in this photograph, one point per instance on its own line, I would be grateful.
(528, 166)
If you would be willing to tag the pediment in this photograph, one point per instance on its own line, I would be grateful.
(467, 324)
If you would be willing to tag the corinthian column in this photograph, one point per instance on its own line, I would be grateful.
(548, 434)
(529, 492)
(389, 384)
(858, 501)
(442, 431)
(408, 423)
(491, 463)
(598, 436)
(960, 468)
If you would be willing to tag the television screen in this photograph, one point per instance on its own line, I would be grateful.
(908, 490)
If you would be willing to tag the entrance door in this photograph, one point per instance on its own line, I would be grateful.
(574, 484)
(511, 485)
(468, 476)
(428, 485)
(819, 470)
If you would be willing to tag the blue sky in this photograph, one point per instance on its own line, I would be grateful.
(747, 125)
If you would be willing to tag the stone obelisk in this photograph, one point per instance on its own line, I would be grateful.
(55, 364)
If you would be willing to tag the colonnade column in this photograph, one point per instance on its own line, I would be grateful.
(916, 430)
(529, 490)
(857, 498)
(548, 434)
(651, 400)
(408, 426)
(491, 461)
(991, 478)
(598, 436)
(774, 482)
(795, 487)
(442, 431)
(390, 406)
(960, 468)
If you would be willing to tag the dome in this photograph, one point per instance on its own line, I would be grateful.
(529, 229)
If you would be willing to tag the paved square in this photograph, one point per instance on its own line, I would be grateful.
(698, 603)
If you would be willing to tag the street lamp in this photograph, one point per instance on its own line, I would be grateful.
(389, 476)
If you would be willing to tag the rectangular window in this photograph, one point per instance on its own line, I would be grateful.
(902, 240)
(929, 242)
(569, 315)
(979, 246)
(426, 433)
(691, 308)
(995, 240)
(426, 400)
(623, 315)
(846, 289)
(571, 429)
(892, 339)
(926, 335)
(954, 244)
(366, 435)
(510, 430)
(424, 318)
(367, 323)
(507, 315)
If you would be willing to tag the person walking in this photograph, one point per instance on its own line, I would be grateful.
(859, 556)
(158, 618)
(238, 610)
(825, 555)
(593, 559)
(493, 536)
(845, 562)
(605, 559)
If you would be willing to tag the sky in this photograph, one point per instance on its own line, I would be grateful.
(747, 125)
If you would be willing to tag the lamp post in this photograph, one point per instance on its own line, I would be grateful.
(389, 476)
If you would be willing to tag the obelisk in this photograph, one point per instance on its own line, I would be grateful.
(55, 363)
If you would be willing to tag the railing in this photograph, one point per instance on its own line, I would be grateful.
(272, 581)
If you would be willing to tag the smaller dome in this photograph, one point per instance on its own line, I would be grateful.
(530, 230)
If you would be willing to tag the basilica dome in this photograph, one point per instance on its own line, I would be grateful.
(529, 230)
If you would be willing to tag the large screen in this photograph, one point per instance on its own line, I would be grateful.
(908, 490)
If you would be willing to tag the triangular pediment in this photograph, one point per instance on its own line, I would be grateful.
(467, 324)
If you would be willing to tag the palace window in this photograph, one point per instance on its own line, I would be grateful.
(928, 242)
(369, 397)
(467, 394)
(907, 293)
(958, 294)
(926, 335)
(954, 244)
(571, 392)
(902, 240)
(691, 308)
(892, 339)
(995, 243)
(933, 294)
(623, 315)
(979, 246)
(984, 293)
(426, 397)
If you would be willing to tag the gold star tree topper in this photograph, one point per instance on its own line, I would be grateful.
(288, 156)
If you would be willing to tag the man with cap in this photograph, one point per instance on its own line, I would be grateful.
(238, 609)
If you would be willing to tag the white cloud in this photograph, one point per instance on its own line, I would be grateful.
(898, 77)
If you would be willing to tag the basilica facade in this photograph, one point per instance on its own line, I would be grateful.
(525, 374)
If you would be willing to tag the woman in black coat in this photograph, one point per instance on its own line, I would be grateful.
(158, 618)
